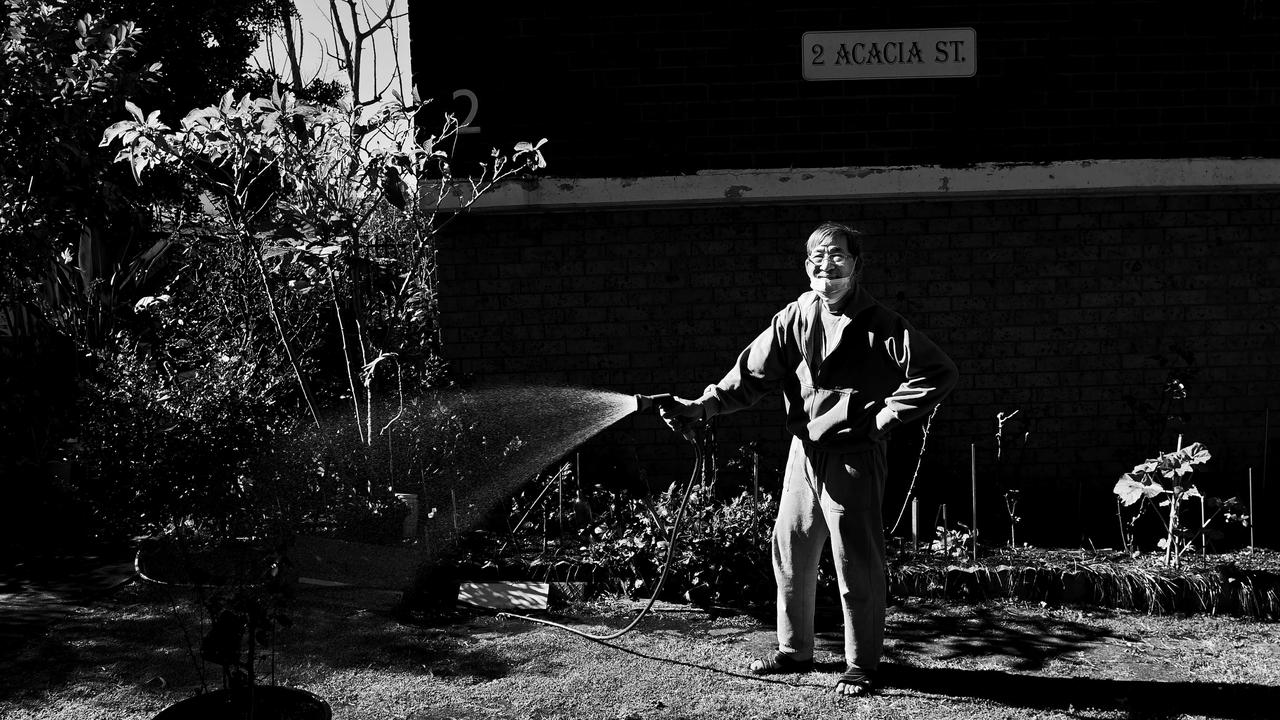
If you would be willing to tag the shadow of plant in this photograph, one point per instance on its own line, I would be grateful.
(142, 641)
(982, 633)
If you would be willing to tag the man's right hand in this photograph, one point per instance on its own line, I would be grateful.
(679, 414)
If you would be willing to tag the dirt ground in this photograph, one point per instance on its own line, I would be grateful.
(125, 653)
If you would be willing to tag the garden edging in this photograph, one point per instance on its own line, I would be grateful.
(1226, 589)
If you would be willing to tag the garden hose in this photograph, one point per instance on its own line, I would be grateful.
(666, 565)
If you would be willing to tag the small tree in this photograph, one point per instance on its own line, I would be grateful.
(329, 207)
(300, 189)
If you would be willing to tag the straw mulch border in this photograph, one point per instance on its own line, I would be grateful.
(1241, 584)
(1224, 590)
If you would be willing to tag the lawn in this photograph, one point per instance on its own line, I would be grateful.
(126, 656)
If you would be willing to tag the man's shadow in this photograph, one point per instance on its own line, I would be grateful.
(1025, 645)
(1139, 698)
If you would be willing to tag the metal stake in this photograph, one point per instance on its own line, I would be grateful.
(1253, 519)
(755, 471)
(973, 481)
(1204, 536)
(915, 524)
(453, 498)
(946, 541)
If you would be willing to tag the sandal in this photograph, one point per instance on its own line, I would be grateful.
(779, 663)
(858, 680)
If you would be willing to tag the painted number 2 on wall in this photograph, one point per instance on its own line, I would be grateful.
(876, 54)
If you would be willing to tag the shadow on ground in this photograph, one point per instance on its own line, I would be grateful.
(1140, 698)
(1028, 642)
(933, 652)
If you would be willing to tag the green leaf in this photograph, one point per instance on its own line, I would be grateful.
(1131, 491)
(138, 164)
(1146, 467)
(135, 111)
(110, 134)
(286, 254)
(209, 205)
(1197, 453)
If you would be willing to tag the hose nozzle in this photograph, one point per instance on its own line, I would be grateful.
(652, 403)
(655, 403)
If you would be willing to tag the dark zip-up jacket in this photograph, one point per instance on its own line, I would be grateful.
(879, 372)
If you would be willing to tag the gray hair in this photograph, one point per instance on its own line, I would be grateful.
(832, 230)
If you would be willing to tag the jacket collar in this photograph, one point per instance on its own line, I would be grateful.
(810, 307)
(811, 303)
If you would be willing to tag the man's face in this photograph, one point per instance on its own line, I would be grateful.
(830, 258)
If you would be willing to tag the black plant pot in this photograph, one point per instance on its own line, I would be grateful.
(267, 702)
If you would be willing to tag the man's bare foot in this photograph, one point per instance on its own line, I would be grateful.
(855, 681)
(779, 663)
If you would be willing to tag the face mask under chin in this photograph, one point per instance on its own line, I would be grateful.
(830, 289)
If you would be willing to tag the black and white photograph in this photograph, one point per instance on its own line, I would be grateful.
(404, 360)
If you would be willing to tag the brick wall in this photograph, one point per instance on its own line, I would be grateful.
(622, 91)
(1062, 308)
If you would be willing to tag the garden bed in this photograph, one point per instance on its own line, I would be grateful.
(1243, 583)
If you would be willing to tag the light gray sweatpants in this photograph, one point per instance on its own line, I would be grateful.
(838, 496)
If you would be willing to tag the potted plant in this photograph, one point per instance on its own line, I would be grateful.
(245, 589)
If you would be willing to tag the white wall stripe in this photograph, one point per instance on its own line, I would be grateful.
(733, 187)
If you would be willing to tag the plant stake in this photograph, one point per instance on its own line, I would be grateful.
(973, 482)
(946, 549)
(1204, 536)
(755, 472)
(1253, 519)
(915, 524)
(453, 501)
(1169, 557)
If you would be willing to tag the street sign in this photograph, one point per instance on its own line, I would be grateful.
(880, 54)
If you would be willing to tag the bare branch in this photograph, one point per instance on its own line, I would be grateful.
(391, 6)
(295, 62)
(340, 36)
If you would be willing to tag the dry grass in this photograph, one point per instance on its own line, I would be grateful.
(125, 657)
(1238, 585)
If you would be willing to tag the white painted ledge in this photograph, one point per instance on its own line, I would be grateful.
(733, 187)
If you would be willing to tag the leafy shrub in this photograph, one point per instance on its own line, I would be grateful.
(723, 550)
(953, 543)
(164, 450)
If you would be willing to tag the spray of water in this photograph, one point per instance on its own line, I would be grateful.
(463, 451)
(515, 432)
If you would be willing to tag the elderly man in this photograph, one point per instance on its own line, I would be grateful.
(849, 370)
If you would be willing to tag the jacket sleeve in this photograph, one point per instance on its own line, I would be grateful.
(759, 370)
(929, 376)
